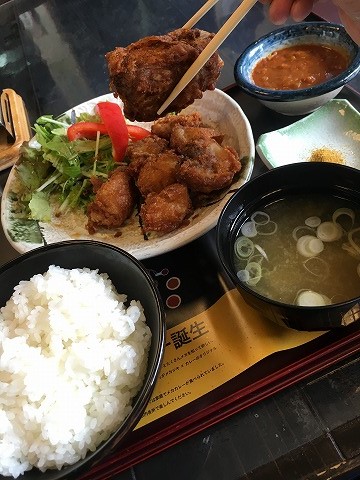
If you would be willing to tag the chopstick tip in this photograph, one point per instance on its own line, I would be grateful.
(160, 111)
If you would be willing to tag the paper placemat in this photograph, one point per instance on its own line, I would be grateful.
(205, 351)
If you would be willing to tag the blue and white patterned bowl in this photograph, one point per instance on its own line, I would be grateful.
(306, 100)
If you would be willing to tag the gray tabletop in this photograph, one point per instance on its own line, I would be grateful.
(53, 56)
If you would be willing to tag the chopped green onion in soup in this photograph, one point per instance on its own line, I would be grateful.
(310, 246)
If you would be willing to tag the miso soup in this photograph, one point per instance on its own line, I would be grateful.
(301, 251)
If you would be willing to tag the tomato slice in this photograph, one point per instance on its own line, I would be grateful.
(85, 130)
(114, 121)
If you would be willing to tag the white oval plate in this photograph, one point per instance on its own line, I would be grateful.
(216, 107)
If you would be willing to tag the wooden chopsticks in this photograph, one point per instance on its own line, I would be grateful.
(212, 46)
(200, 13)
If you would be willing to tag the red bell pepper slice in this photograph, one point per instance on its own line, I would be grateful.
(114, 121)
(89, 130)
(137, 133)
(113, 125)
(85, 130)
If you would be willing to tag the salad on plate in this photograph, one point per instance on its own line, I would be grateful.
(70, 176)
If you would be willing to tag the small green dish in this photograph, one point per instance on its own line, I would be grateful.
(334, 127)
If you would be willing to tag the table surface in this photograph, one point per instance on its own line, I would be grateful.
(53, 56)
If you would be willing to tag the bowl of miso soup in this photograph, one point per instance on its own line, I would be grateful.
(290, 241)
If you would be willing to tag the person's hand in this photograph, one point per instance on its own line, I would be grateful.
(281, 10)
(298, 10)
(349, 12)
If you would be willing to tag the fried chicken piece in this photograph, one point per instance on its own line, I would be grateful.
(166, 211)
(158, 172)
(139, 152)
(144, 73)
(193, 141)
(209, 166)
(113, 204)
(164, 125)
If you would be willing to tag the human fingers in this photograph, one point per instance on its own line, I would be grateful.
(349, 12)
(301, 9)
(351, 7)
(281, 10)
(352, 25)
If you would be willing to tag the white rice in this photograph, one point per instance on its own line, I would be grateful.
(72, 357)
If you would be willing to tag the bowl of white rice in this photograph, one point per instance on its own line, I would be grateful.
(82, 335)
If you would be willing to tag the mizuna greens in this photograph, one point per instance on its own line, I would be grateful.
(54, 172)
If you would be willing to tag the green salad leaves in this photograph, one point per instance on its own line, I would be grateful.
(54, 173)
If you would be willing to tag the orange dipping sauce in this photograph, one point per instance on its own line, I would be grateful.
(299, 66)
